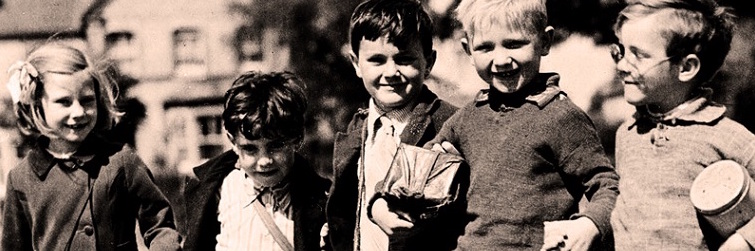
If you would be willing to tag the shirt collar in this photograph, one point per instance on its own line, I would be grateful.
(540, 91)
(277, 197)
(399, 116)
(696, 110)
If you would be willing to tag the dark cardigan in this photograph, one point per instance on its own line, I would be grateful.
(426, 120)
(202, 197)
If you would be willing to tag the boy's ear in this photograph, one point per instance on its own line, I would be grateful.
(547, 40)
(430, 63)
(355, 63)
(465, 45)
(689, 66)
(231, 138)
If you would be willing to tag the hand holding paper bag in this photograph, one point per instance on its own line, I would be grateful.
(420, 182)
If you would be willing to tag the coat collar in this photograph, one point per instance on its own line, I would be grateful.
(218, 166)
(415, 128)
(42, 162)
(541, 91)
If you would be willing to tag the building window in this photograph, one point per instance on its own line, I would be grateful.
(249, 48)
(122, 49)
(213, 137)
(248, 43)
(196, 134)
(189, 53)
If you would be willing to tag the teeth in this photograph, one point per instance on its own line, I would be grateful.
(392, 84)
(505, 74)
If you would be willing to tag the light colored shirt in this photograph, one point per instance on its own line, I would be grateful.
(241, 228)
(374, 168)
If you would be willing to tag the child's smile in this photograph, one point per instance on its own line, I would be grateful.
(70, 109)
(505, 72)
(393, 76)
(507, 59)
(649, 76)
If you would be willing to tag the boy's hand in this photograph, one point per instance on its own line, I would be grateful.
(445, 147)
(735, 242)
(324, 237)
(577, 234)
(390, 222)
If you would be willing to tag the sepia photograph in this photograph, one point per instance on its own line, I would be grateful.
(377, 125)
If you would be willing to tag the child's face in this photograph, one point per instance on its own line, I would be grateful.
(393, 76)
(69, 104)
(507, 59)
(648, 75)
(266, 161)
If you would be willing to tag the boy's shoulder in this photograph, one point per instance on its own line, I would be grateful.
(218, 165)
(357, 119)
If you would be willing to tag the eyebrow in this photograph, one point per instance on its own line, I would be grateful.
(483, 44)
(635, 50)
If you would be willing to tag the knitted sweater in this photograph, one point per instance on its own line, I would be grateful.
(657, 160)
(532, 158)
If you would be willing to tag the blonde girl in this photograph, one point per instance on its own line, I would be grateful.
(75, 190)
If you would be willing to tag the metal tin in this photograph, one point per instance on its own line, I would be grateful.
(723, 195)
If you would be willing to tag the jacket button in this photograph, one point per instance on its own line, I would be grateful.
(88, 230)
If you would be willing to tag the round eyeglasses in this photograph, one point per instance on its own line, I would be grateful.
(618, 53)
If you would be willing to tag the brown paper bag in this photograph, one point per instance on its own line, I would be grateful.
(420, 182)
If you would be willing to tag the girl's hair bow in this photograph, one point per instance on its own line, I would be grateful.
(23, 73)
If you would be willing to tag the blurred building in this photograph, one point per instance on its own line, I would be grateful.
(183, 56)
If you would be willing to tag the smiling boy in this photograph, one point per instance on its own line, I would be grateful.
(392, 52)
(676, 131)
(533, 154)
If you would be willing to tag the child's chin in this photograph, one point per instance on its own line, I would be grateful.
(267, 180)
(391, 102)
(75, 138)
(634, 102)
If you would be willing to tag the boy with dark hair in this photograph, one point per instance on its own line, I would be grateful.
(392, 53)
(533, 153)
(676, 131)
(234, 197)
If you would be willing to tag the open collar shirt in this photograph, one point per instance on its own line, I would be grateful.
(241, 227)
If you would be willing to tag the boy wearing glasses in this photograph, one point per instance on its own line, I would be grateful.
(262, 195)
(676, 131)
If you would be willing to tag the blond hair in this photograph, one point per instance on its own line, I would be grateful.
(529, 16)
(55, 58)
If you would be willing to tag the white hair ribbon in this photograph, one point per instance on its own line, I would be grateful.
(20, 79)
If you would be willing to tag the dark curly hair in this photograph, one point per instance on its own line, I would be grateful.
(266, 105)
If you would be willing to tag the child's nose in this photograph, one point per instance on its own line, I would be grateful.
(622, 66)
(264, 160)
(77, 110)
(390, 70)
(501, 58)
